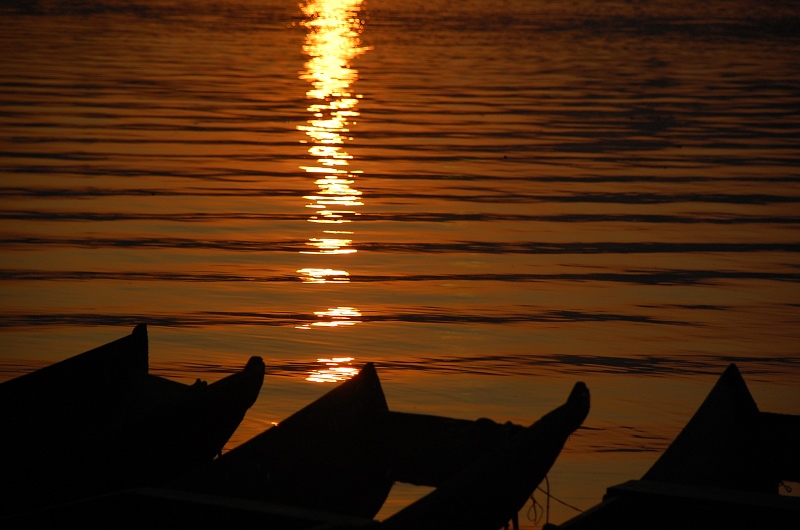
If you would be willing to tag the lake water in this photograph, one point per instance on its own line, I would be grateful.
(491, 200)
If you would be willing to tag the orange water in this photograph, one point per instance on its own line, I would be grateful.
(490, 200)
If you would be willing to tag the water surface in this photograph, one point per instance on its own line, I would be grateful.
(490, 200)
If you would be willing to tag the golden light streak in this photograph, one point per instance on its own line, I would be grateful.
(309, 275)
(334, 317)
(334, 370)
(332, 43)
(329, 245)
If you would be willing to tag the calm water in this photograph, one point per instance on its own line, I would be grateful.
(489, 199)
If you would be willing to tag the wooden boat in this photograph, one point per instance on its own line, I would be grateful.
(428, 450)
(124, 428)
(638, 504)
(176, 436)
(42, 410)
(75, 396)
(76, 381)
(330, 465)
(729, 443)
(490, 492)
(722, 471)
(130, 352)
(330, 456)
(147, 507)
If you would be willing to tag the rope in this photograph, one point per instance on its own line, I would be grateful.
(539, 510)
(547, 511)
(536, 507)
(559, 500)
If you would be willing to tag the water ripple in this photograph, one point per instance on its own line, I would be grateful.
(639, 277)
(410, 217)
(465, 247)
(484, 365)
(420, 315)
(454, 195)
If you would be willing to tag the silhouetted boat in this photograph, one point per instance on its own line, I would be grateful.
(722, 471)
(81, 394)
(330, 465)
(330, 456)
(98, 422)
(488, 493)
(428, 450)
(76, 382)
(151, 507)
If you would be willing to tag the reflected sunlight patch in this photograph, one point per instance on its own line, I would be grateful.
(329, 245)
(310, 275)
(332, 43)
(334, 317)
(333, 370)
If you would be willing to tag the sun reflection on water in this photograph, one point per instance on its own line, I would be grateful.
(331, 44)
(334, 317)
(334, 370)
(330, 245)
(310, 275)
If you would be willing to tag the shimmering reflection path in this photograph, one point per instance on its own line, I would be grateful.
(332, 44)
(491, 200)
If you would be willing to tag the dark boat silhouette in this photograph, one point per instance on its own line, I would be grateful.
(488, 493)
(98, 422)
(332, 455)
(329, 465)
(722, 471)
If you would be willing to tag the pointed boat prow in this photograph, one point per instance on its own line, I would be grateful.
(489, 493)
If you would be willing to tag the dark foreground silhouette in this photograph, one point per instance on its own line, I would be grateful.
(100, 442)
(722, 471)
